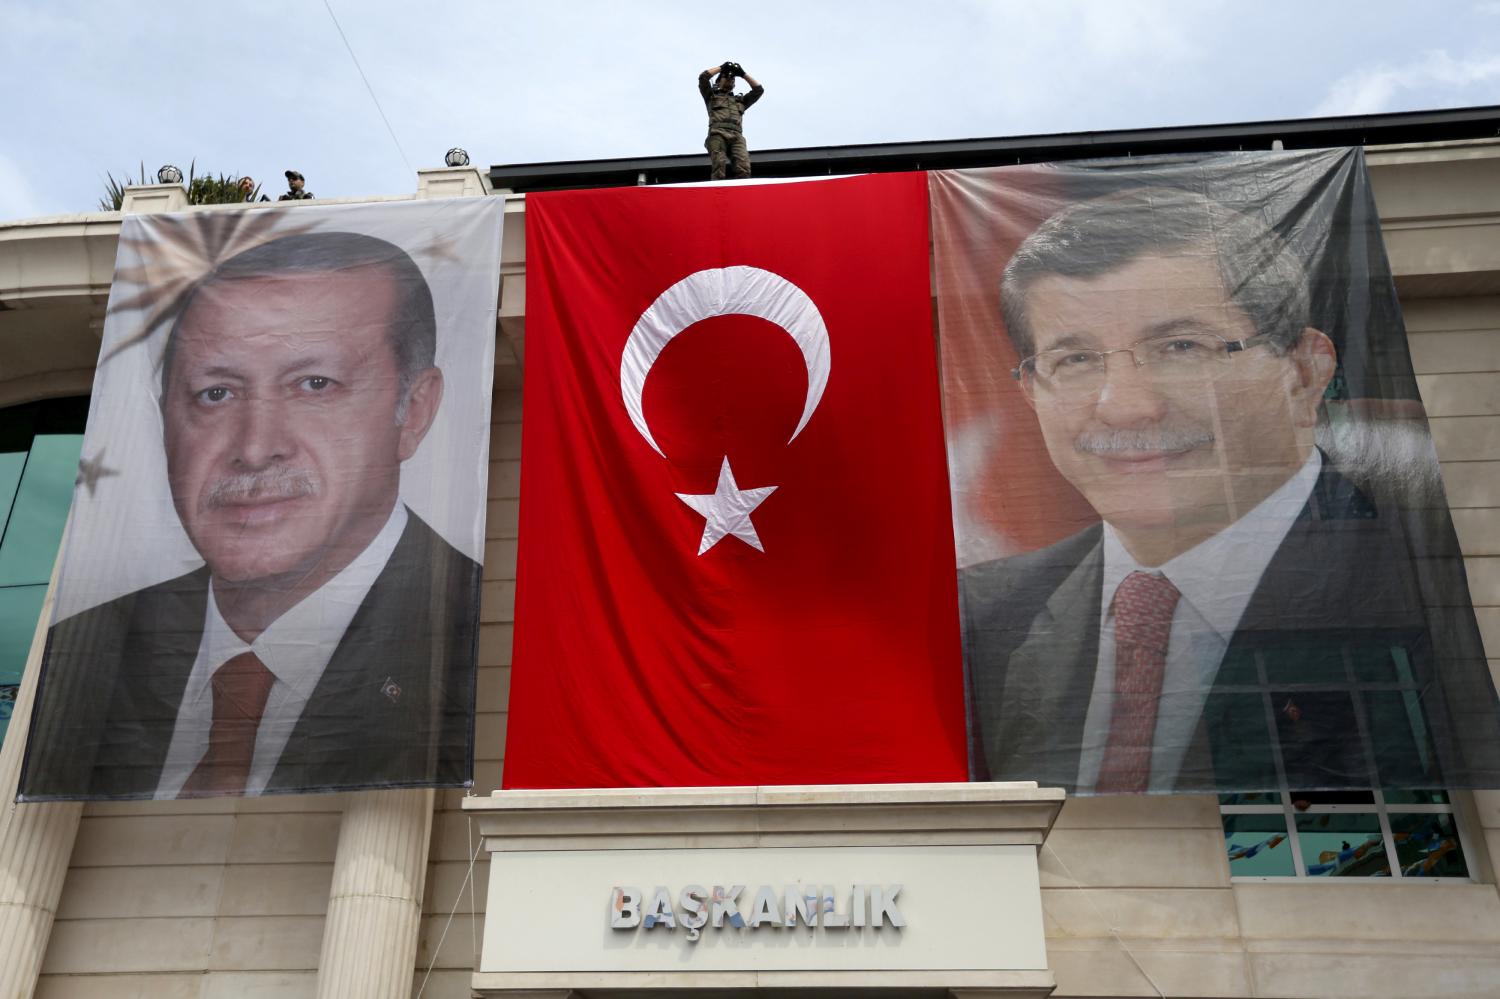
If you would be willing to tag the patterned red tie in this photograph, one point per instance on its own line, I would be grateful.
(1144, 605)
(241, 687)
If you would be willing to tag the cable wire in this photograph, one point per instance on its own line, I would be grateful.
(467, 881)
(362, 76)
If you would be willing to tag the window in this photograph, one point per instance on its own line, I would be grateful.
(39, 448)
(1343, 834)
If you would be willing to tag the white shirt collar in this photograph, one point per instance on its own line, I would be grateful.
(297, 645)
(1219, 574)
(296, 648)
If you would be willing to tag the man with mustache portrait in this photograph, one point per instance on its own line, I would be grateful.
(1203, 635)
(328, 640)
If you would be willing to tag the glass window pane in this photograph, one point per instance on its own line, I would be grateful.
(1257, 846)
(1238, 669)
(41, 508)
(36, 486)
(11, 463)
(1252, 798)
(1375, 664)
(62, 416)
(1320, 739)
(1404, 752)
(1239, 721)
(1427, 846)
(1407, 796)
(1342, 846)
(7, 706)
(1302, 800)
(19, 608)
(1306, 663)
(17, 425)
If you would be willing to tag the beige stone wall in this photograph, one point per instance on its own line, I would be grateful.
(1455, 348)
(197, 900)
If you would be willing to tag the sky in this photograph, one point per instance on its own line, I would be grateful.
(93, 89)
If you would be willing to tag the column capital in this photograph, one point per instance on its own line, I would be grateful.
(148, 199)
(452, 182)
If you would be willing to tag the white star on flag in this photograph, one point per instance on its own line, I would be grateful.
(727, 510)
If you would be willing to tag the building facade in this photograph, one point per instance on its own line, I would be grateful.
(367, 894)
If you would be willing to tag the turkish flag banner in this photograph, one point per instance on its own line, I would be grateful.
(736, 561)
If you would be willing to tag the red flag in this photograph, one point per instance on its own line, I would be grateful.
(736, 561)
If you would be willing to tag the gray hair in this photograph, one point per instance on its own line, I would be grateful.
(413, 323)
(1262, 274)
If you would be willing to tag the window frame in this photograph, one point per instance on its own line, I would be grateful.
(1379, 807)
(62, 416)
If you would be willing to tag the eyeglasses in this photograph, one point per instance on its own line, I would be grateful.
(1175, 359)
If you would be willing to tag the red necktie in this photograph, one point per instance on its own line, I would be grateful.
(241, 687)
(1144, 605)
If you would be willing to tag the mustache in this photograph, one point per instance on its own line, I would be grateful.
(269, 485)
(1165, 439)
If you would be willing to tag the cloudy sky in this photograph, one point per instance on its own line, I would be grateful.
(259, 87)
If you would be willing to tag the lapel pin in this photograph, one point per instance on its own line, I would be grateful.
(391, 689)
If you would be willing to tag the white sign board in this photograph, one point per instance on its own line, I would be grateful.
(963, 907)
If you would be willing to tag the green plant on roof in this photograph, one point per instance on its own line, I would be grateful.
(206, 190)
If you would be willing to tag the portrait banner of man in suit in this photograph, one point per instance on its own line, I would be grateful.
(270, 578)
(1202, 540)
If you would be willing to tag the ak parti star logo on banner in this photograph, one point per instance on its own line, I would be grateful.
(719, 291)
(736, 560)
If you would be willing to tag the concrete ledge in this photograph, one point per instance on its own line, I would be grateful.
(733, 817)
(827, 984)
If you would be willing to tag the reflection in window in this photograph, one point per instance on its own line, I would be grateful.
(39, 447)
(1427, 846)
(1258, 846)
(1342, 845)
(1343, 834)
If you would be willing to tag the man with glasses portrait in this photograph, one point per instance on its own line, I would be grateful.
(1168, 354)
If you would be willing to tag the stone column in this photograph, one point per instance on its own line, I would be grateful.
(36, 841)
(375, 905)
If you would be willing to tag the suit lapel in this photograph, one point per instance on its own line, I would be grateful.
(1051, 676)
(1332, 571)
(363, 715)
(157, 661)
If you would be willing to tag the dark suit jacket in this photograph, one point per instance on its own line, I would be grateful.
(1357, 659)
(113, 677)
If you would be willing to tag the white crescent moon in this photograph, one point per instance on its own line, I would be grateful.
(725, 291)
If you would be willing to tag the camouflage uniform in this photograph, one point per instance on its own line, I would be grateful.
(296, 193)
(726, 139)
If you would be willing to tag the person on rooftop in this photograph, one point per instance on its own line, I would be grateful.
(727, 153)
